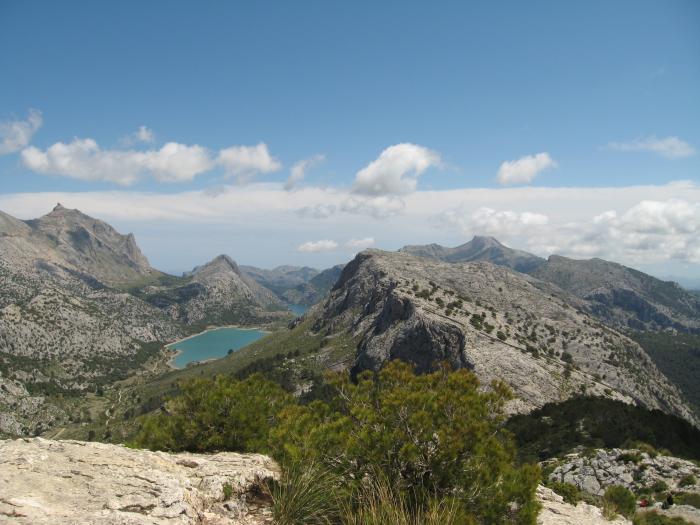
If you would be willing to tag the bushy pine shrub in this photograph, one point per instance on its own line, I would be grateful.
(571, 493)
(618, 499)
(389, 447)
(216, 414)
(432, 436)
(687, 481)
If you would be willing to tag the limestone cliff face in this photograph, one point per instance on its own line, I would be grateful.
(500, 323)
(74, 482)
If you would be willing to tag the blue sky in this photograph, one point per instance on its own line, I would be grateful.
(608, 91)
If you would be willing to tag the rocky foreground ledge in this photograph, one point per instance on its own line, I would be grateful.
(62, 482)
(79, 483)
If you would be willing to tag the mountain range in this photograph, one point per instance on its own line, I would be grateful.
(620, 296)
(498, 322)
(82, 308)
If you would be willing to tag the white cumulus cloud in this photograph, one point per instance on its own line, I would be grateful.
(396, 170)
(16, 134)
(299, 170)
(360, 244)
(669, 147)
(84, 159)
(244, 162)
(524, 169)
(325, 245)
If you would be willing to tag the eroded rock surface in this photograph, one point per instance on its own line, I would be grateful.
(632, 469)
(556, 512)
(74, 482)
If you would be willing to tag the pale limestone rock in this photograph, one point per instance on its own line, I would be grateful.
(74, 482)
(593, 474)
(556, 512)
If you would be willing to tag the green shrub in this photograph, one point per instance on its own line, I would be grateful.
(687, 481)
(433, 437)
(216, 414)
(688, 498)
(630, 457)
(501, 335)
(618, 499)
(645, 447)
(228, 491)
(654, 518)
(571, 493)
(659, 486)
(476, 321)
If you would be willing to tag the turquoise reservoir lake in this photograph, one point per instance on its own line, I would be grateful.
(213, 344)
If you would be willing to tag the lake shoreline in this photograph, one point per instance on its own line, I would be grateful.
(214, 328)
(175, 352)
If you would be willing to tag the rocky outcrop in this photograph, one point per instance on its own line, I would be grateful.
(500, 323)
(556, 512)
(74, 482)
(632, 469)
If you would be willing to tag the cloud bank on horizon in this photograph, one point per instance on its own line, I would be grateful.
(634, 225)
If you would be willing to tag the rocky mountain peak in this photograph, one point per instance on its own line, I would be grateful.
(220, 263)
(90, 244)
(480, 248)
(485, 241)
